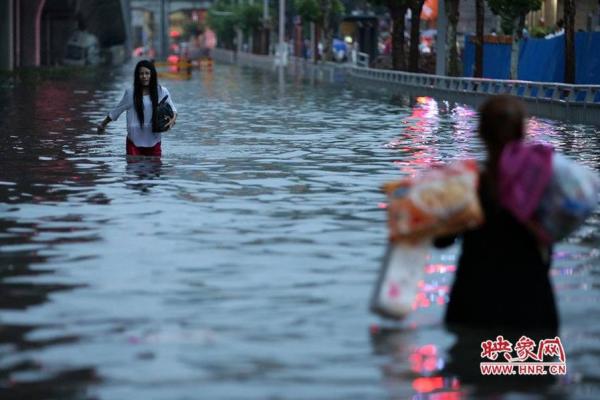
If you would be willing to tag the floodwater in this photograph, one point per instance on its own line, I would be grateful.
(241, 265)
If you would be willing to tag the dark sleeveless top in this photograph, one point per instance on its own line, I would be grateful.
(502, 276)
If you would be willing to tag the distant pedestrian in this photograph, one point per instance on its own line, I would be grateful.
(558, 30)
(140, 102)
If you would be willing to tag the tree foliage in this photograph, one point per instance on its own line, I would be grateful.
(397, 10)
(223, 20)
(512, 16)
(324, 13)
(308, 10)
(314, 10)
(510, 11)
(248, 17)
(225, 16)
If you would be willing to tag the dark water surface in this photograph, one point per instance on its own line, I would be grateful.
(241, 265)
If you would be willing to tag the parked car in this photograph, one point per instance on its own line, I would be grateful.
(82, 49)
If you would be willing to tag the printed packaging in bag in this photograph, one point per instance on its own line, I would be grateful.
(397, 286)
(441, 201)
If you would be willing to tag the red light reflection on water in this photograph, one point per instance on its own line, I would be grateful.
(538, 129)
(430, 293)
(48, 113)
(421, 301)
(428, 104)
(421, 125)
(426, 116)
(464, 121)
(426, 363)
(439, 268)
(426, 360)
(433, 383)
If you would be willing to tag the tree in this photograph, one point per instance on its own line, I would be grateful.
(512, 14)
(326, 13)
(331, 10)
(249, 17)
(397, 9)
(569, 17)
(453, 15)
(250, 21)
(321, 12)
(479, 20)
(310, 11)
(416, 6)
(222, 19)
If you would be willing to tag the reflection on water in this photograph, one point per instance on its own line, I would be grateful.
(240, 265)
(144, 170)
(452, 371)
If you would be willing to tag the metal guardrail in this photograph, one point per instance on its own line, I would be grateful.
(255, 60)
(362, 60)
(223, 55)
(538, 91)
(541, 92)
(295, 66)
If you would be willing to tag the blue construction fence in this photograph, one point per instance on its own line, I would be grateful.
(541, 60)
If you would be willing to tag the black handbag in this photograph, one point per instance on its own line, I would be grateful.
(164, 113)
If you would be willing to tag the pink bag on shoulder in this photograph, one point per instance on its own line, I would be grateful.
(546, 191)
(525, 171)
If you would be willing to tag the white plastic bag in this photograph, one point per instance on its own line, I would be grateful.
(439, 201)
(571, 197)
(397, 285)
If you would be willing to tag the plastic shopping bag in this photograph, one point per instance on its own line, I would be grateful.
(571, 196)
(397, 285)
(441, 201)
(545, 190)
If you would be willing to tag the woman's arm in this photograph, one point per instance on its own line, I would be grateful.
(172, 121)
(444, 241)
(102, 125)
(125, 103)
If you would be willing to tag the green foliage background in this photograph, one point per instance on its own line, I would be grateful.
(510, 10)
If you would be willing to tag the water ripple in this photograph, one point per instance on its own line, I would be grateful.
(242, 263)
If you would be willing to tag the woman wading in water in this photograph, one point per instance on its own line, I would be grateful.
(502, 280)
(140, 102)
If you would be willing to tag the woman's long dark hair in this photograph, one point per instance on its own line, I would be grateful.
(501, 120)
(138, 92)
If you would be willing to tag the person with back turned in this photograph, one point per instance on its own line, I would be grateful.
(502, 285)
(502, 279)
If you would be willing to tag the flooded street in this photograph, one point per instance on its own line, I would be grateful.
(241, 265)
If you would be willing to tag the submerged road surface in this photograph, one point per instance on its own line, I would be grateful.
(239, 267)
